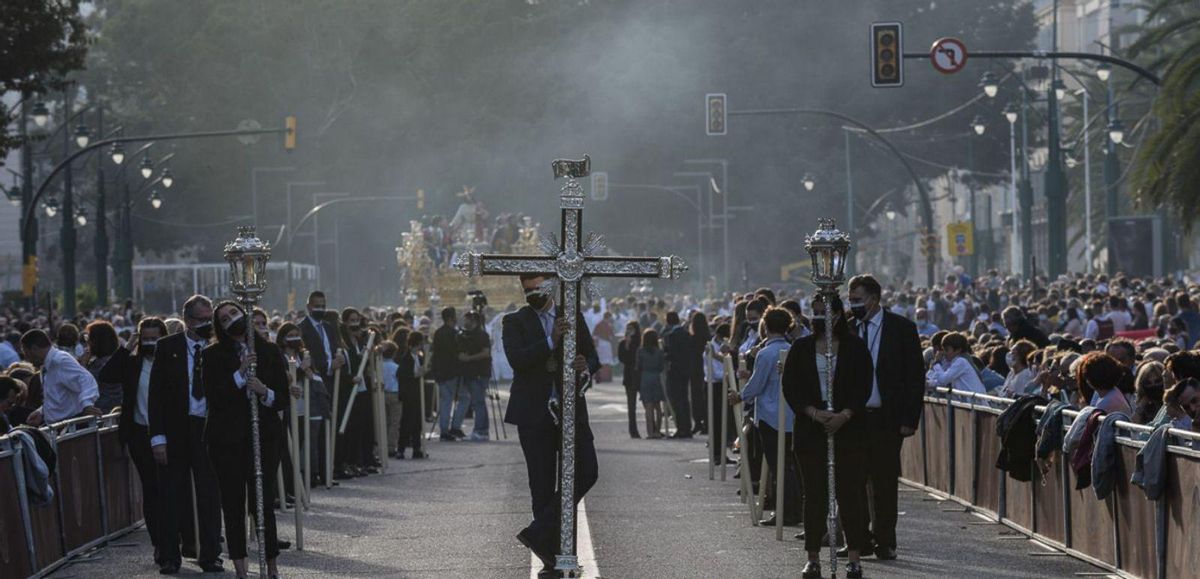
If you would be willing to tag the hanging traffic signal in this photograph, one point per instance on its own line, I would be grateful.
(29, 276)
(599, 186)
(420, 198)
(289, 138)
(887, 56)
(715, 114)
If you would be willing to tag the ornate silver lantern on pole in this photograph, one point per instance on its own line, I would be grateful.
(247, 256)
(828, 248)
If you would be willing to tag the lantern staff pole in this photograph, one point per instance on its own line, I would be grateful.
(247, 256)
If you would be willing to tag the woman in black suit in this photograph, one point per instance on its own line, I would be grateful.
(408, 376)
(627, 351)
(228, 429)
(803, 378)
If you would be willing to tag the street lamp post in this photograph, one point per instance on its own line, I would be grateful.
(978, 127)
(28, 243)
(101, 243)
(67, 237)
(1025, 193)
(1055, 179)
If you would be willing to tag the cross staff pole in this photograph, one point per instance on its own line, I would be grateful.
(570, 260)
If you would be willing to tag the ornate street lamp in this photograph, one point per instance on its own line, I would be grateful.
(147, 167)
(1116, 131)
(168, 179)
(978, 125)
(989, 84)
(890, 214)
(1060, 89)
(82, 137)
(808, 182)
(1010, 112)
(80, 217)
(51, 207)
(41, 114)
(117, 153)
(247, 256)
(828, 248)
(1103, 71)
(156, 200)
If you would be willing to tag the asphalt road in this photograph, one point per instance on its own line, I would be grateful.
(653, 514)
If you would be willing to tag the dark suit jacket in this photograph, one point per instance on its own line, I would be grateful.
(228, 410)
(126, 368)
(168, 400)
(677, 343)
(527, 349)
(851, 388)
(316, 347)
(901, 371)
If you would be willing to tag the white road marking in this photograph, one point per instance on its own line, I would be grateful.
(583, 548)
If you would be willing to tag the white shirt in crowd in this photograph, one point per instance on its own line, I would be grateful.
(958, 375)
(68, 387)
(141, 414)
(1016, 383)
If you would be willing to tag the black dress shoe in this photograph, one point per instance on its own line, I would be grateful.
(799, 535)
(885, 553)
(169, 569)
(187, 553)
(683, 436)
(419, 454)
(371, 470)
(529, 540)
(548, 574)
(447, 438)
(283, 545)
(812, 570)
(342, 475)
(634, 434)
(212, 567)
(853, 570)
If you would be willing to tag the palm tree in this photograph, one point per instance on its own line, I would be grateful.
(1166, 169)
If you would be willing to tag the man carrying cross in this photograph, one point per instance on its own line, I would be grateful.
(533, 340)
(550, 357)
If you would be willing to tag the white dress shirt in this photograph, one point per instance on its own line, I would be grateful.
(197, 408)
(547, 317)
(874, 335)
(141, 413)
(958, 375)
(67, 387)
(324, 338)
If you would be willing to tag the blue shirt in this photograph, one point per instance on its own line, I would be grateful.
(764, 386)
(390, 383)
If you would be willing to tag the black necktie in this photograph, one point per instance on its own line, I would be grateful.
(197, 373)
(866, 332)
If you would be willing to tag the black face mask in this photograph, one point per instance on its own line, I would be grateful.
(858, 310)
(146, 349)
(316, 312)
(204, 330)
(237, 327)
(818, 325)
(537, 300)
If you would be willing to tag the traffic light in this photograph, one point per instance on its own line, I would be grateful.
(600, 186)
(289, 138)
(715, 114)
(420, 199)
(887, 54)
(29, 276)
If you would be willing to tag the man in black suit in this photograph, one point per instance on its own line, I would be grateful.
(533, 337)
(323, 344)
(677, 345)
(131, 366)
(893, 410)
(178, 409)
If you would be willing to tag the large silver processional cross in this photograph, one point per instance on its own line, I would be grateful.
(568, 265)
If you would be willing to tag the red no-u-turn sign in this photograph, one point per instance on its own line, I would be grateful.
(948, 55)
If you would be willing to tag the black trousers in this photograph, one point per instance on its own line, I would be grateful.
(285, 452)
(354, 445)
(677, 397)
(138, 447)
(540, 446)
(791, 477)
(716, 396)
(188, 466)
(410, 421)
(631, 395)
(883, 474)
(699, 401)
(752, 453)
(850, 472)
(235, 474)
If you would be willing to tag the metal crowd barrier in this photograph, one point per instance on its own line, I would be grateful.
(97, 497)
(954, 455)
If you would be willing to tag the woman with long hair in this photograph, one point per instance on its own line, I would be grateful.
(228, 433)
(699, 337)
(804, 387)
(299, 364)
(100, 339)
(627, 353)
(651, 361)
(409, 371)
